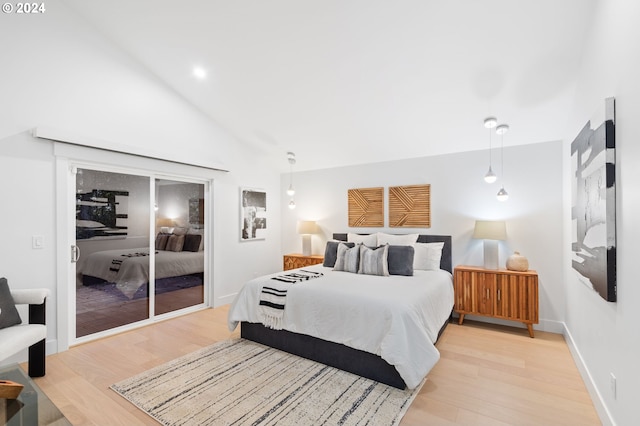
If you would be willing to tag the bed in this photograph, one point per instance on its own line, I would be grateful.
(129, 268)
(380, 327)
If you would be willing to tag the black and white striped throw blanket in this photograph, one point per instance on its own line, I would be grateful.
(273, 296)
(117, 263)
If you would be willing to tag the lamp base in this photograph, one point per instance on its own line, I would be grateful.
(491, 254)
(306, 245)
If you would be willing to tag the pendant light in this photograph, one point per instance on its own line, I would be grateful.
(490, 123)
(501, 130)
(291, 157)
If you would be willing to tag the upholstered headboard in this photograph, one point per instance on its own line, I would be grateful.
(445, 260)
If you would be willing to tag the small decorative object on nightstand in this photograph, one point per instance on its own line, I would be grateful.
(517, 262)
(297, 260)
(510, 295)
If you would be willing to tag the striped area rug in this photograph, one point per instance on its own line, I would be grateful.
(239, 382)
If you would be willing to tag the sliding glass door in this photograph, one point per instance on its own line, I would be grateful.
(179, 244)
(139, 248)
(112, 236)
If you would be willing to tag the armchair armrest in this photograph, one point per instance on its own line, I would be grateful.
(35, 296)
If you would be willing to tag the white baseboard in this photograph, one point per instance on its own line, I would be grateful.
(549, 326)
(224, 300)
(596, 397)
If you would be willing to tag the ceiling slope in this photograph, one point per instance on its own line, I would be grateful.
(343, 82)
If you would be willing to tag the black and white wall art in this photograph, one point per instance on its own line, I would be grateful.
(253, 214)
(101, 214)
(593, 211)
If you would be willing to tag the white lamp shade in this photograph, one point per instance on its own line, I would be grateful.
(307, 227)
(490, 230)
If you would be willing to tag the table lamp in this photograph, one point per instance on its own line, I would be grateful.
(306, 228)
(490, 232)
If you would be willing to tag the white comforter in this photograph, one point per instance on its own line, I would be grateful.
(395, 317)
(134, 271)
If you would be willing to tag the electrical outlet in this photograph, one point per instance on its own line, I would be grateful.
(612, 382)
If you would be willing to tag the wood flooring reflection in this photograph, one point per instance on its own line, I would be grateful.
(98, 311)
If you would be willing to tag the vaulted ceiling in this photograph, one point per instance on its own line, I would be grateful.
(343, 82)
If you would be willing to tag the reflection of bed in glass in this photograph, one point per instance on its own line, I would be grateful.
(128, 270)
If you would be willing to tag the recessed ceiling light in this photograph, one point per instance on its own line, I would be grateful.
(200, 72)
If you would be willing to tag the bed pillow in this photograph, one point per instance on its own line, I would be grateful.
(198, 232)
(427, 256)
(400, 260)
(347, 258)
(180, 231)
(9, 315)
(161, 241)
(331, 252)
(367, 240)
(373, 261)
(396, 240)
(175, 243)
(192, 242)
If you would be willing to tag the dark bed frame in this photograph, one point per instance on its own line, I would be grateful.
(336, 355)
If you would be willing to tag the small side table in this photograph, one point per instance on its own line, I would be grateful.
(297, 260)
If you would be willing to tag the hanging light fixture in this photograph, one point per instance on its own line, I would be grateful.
(490, 123)
(501, 130)
(291, 157)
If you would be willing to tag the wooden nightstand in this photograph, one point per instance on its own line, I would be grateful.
(297, 260)
(497, 293)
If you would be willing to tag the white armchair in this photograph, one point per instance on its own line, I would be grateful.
(32, 335)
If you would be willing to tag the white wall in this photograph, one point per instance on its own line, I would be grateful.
(58, 72)
(459, 196)
(605, 335)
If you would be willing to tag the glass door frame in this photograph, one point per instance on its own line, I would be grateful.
(68, 215)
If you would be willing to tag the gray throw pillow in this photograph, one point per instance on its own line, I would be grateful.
(8, 313)
(373, 261)
(331, 252)
(175, 243)
(191, 242)
(347, 258)
(161, 241)
(400, 259)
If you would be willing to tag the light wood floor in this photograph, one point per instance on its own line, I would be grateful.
(487, 375)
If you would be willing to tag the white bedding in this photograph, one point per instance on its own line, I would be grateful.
(134, 271)
(395, 317)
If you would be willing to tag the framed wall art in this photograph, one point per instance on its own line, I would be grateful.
(253, 214)
(593, 211)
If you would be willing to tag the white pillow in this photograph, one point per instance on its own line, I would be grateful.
(396, 240)
(427, 256)
(367, 240)
(180, 230)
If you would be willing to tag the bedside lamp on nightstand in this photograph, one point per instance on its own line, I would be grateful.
(490, 232)
(306, 228)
